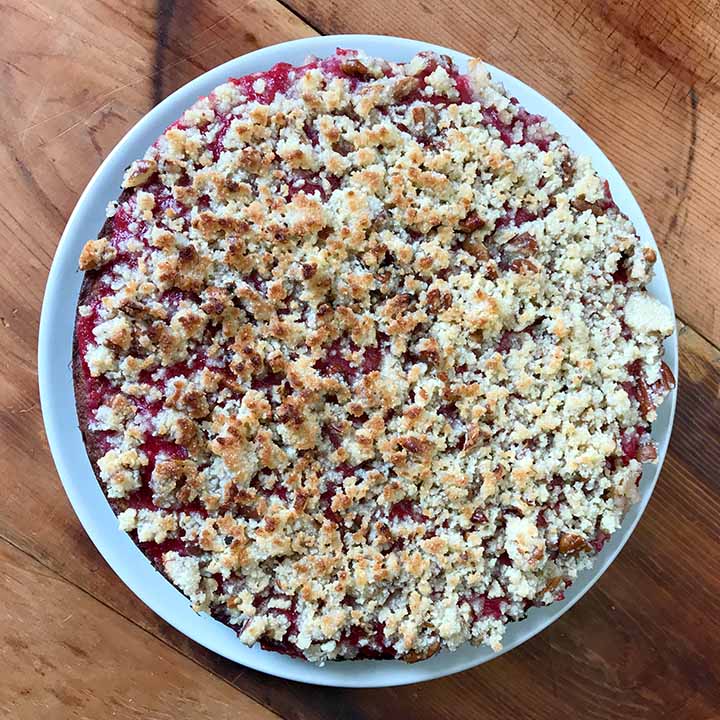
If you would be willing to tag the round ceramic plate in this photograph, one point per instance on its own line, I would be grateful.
(58, 402)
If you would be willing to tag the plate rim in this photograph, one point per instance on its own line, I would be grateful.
(53, 396)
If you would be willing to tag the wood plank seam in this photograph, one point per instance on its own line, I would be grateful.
(165, 12)
(683, 324)
(299, 16)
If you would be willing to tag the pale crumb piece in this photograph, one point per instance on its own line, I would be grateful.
(254, 630)
(96, 253)
(127, 519)
(100, 360)
(183, 571)
(139, 173)
(645, 314)
(153, 526)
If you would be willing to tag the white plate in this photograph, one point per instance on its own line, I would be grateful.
(58, 403)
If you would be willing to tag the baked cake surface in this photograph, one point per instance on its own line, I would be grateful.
(364, 360)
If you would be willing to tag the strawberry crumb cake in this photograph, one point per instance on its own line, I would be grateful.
(365, 363)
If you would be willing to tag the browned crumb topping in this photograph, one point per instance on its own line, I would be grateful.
(369, 358)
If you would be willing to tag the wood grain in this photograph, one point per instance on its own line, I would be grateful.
(640, 77)
(65, 655)
(645, 643)
(648, 633)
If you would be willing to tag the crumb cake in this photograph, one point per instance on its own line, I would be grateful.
(364, 359)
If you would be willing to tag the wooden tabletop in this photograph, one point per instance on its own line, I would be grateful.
(641, 78)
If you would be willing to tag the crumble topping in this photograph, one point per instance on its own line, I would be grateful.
(366, 360)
